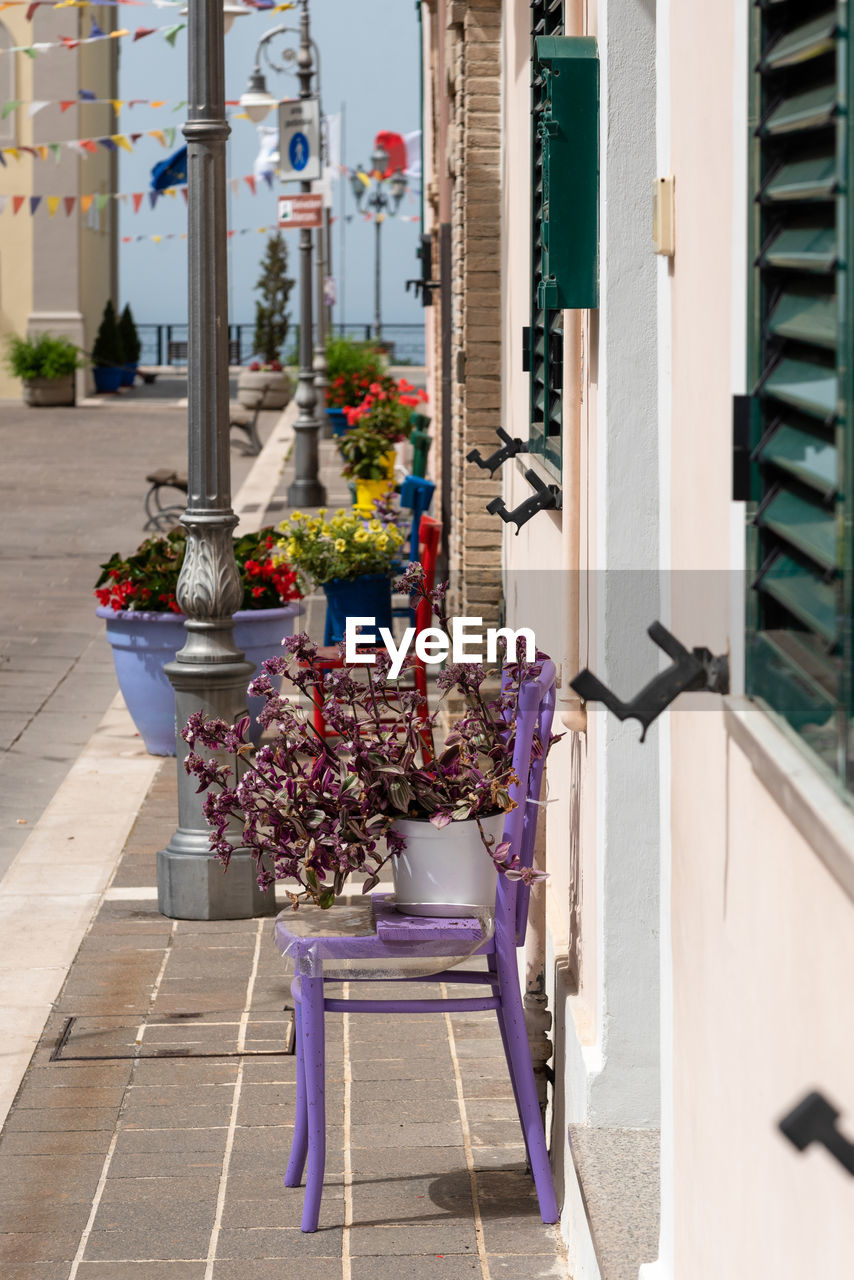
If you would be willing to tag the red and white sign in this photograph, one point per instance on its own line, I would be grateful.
(304, 210)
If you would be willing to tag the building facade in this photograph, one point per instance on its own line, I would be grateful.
(670, 276)
(57, 268)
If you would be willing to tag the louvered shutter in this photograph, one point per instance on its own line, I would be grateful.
(799, 651)
(546, 333)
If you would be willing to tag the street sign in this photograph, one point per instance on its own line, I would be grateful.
(305, 210)
(299, 140)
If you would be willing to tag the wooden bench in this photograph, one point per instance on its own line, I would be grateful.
(176, 352)
(163, 516)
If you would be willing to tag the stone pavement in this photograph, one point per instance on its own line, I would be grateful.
(149, 1135)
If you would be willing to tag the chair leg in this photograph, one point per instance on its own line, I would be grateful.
(315, 1093)
(499, 1013)
(299, 1145)
(522, 1072)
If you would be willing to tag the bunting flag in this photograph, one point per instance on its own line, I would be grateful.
(17, 201)
(169, 33)
(33, 5)
(135, 199)
(68, 202)
(52, 204)
(87, 96)
(175, 235)
(110, 142)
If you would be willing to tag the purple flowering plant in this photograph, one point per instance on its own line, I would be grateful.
(315, 809)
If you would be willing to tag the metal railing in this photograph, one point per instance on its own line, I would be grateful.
(166, 344)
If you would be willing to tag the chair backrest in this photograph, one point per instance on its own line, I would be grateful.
(534, 713)
(416, 494)
(429, 536)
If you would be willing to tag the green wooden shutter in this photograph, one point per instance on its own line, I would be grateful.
(799, 651)
(546, 333)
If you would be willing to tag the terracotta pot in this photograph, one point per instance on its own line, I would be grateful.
(44, 392)
(251, 383)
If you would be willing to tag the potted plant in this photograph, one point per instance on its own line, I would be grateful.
(131, 346)
(369, 463)
(46, 366)
(108, 353)
(145, 626)
(351, 367)
(313, 810)
(272, 321)
(351, 559)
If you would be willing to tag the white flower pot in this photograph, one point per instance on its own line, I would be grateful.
(443, 869)
(276, 387)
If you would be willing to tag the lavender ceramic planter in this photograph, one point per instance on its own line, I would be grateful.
(143, 642)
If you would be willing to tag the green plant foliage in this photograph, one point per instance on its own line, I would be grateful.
(108, 349)
(364, 451)
(272, 319)
(41, 356)
(130, 337)
(341, 546)
(351, 367)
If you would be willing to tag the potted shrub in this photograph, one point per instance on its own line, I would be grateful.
(46, 366)
(351, 367)
(376, 425)
(272, 322)
(145, 626)
(369, 464)
(131, 346)
(313, 810)
(108, 354)
(349, 558)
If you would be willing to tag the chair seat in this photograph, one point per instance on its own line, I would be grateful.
(368, 938)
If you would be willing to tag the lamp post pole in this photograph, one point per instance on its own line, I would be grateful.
(210, 673)
(306, 489)
(383, 205)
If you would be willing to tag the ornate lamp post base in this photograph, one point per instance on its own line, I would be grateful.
(191, 882)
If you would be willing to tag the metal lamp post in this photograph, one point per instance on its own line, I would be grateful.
(210, 673)
(384, 200)
(306, 489)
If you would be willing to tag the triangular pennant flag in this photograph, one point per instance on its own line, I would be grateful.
(135, 137)
(172, 191)
(86, 203)
(117, 104)
(2, 160)
(108, 144)
(121, 141)
(137, 199)
(126, 239)
(268, 177)
(87, 95)
(142, 32)
(158, 134)
(35, 201)
(96, 33)
(101, 199)
(179, 105)
(123, 196)
(55, 150)
(68, 42)
(229, 234)
(9, 107)
(52, 204)
(3, 200)
(157, 102)
(11, 151)
(171, 33)
(30, 51)
(31, 151)
(153, 198)
(64, 105)
(17, 201)
(68, 201)
(250, 182)
(157, 239)
(185, 193)
(89, 144)
(35, 107)
(169, 135)
(234, 183)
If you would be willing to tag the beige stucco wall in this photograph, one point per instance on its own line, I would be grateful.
(763, 937)
(17, 230)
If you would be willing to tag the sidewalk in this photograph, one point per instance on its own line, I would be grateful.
(149, 1136)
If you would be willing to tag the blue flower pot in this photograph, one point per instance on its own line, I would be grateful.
(143, 642)
(367, 597)
(337, 421)
(107, 380)
(128, 375)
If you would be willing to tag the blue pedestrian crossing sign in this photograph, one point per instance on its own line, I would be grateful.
(299, 140)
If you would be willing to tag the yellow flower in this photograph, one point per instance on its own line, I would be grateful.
(321, 511)
(296, 515)
(340, 544)
(382, 542)
(375, 526)
(361, 535)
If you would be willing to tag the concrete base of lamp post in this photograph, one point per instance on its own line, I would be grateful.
(191, 881)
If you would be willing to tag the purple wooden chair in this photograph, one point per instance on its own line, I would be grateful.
(372, 941)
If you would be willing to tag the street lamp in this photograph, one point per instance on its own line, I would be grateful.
(306, 489)
(385, 195)
(209, 673)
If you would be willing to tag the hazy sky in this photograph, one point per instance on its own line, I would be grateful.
(369, 62)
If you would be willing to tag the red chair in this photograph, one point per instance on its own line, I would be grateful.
(329, 657)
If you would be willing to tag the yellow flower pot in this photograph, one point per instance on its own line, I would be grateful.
(389, 459)
(367, 493)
